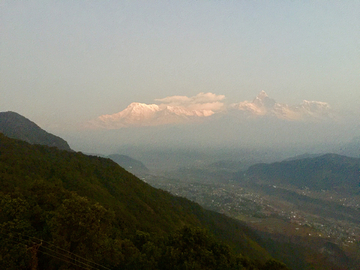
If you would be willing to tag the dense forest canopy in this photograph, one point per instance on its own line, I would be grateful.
(67, 210)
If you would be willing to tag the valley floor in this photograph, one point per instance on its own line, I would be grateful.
(305, 217)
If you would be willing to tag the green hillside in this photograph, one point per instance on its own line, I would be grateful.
(57, 205)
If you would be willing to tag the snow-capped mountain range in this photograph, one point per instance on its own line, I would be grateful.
(181, 109)
(141, 114)
(262, 105)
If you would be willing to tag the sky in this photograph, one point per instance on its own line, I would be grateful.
(63, 63)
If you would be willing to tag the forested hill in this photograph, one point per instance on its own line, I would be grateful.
(17, 126)
(57, 205)
(132, 165)
(327, 172)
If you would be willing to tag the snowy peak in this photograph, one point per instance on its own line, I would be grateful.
(262, 95)
(138, 107)
(314, 109)
(173, 110)
(134, 112)
(141, 108)
(182, 109)
(262, 105)
(314, 105)
(259, 106)
(263, 100)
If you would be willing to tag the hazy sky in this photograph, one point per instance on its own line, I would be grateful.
(71, 61)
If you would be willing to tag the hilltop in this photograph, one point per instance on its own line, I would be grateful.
(17, 126)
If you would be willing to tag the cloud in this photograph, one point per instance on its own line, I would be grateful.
(199, 98)
(174, 100)
(203, 103)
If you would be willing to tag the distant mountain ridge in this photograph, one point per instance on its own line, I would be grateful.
(263, 105)
(16, 126)
(132, 165)
(141, 114)
(181, 109)
(303, 156)
(329, 171)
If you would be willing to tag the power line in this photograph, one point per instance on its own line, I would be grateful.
(57, 247)
(61, 259)
(59, 254)
(65, 257)
(76, 262)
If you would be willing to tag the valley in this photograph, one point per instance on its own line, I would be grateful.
(303, 216)
(261, 209)
(302, 211)
(180, 135)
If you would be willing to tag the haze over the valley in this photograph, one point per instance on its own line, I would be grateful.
(209, 121)
(185, 74)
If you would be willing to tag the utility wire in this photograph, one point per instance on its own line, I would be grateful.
(68, 256)
(62, 259)
(75, 263)
(50, 244)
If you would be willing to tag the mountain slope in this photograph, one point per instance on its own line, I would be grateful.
(320, 193)
(49, 182)
(326, 172)
(16, 126)
(132, 165)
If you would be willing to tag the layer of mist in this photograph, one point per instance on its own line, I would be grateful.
(254, 140)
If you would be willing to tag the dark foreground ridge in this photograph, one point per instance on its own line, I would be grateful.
(59, 205)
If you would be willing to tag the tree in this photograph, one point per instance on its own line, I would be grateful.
(82, 228)
(195, 248)
(15, 229)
